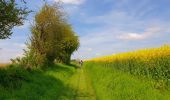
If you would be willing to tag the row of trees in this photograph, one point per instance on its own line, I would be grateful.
(52, 37)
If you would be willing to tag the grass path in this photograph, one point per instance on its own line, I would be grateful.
(82, 89)
(62, 82)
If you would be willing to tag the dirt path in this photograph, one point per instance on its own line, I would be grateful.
(82, 88)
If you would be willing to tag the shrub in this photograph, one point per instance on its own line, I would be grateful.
(12, 77)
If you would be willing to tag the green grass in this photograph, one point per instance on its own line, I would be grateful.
(94, 81)
(20, 84)
(112, 84)
(60, 82)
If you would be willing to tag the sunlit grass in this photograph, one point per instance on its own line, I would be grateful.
(112, 84)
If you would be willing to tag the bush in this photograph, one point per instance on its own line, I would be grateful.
(12, 77)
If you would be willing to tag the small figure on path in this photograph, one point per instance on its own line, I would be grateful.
(81, 63)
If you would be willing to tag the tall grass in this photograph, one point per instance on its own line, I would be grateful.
(112, 84)
(152, 63)
(17, 83)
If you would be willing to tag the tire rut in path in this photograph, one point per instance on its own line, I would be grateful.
(82, 86)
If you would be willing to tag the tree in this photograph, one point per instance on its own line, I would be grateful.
(69, 45)
(52, 37)
(11, 15)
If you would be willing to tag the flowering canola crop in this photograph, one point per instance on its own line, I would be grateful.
(153, 63)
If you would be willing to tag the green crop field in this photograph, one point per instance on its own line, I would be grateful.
(112, 84)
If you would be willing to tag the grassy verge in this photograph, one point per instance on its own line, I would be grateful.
(112, 84)
(19, 84)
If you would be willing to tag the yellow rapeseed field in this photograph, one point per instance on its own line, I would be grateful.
(145, 54)
(153, 63)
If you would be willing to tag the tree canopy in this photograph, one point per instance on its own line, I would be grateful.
(11, 14)
(53, 38)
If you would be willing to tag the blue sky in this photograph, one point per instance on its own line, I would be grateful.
(104, 27)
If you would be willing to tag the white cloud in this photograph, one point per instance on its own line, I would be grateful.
(75, 2)
(97, 43)
(21, 45)
(130, 36)
(7, 53)
(10, 48)
(89, 49)
(19, 55)
(98, 54)
(108, 38)
(26, 24)
(148, 33)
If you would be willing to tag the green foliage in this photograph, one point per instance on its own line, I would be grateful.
(10, 15)
(69, 45)
(52, 38)
(112, 84)
(11, 77)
